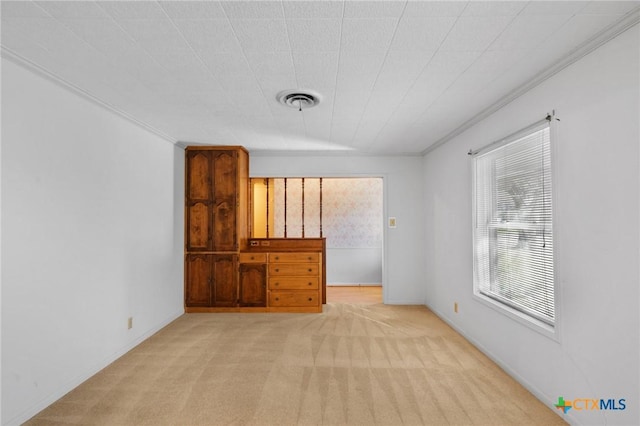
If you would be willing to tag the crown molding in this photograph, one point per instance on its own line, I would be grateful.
(43, 72)
(628, 21)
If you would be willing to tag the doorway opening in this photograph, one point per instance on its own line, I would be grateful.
(347, 211)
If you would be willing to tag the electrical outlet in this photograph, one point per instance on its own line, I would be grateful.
(455, 307)
(392, 222)
(130, 323)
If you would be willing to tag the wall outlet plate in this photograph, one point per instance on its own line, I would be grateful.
(392, 222)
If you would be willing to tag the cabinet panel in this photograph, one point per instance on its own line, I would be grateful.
(293, 257)
(253, 257)
(225, 188)
(294, 298)
(302, 269)
(198, 280)
(224, 222)
(225, 175)
(294, 283)
(253, 284)
(199, 176)
(225, 283)
(198, 227)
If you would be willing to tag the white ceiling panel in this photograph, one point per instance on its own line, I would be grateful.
(494, 8)
(394, 76)
(421, 34)
(401, 69)
(22, 9)
(556, 7)
(231, 64)
(321, 35)
(66, 9)
(253, 9)
(496, 61)
(132, 9)
(261, 35)
(609, 7)
(215, 35)
(427, 9)
(313, 9)
(103, 34)
(529, 32)
(316, 70)
(451, 63)
(474, 33)
(155, 35)
(373, 9)
(193, 9)
(367, 35)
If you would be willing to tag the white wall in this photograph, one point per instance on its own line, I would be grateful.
(403, 249)
(91, 235)
(596, 239)
(354, 266)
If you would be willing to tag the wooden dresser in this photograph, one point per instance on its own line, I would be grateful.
(294, 272)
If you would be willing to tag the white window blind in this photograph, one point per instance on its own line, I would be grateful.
(513, 232)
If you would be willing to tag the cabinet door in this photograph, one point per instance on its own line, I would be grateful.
(199, 202)
(253, 284)
(225, 188)
(225, 281)
(198, 280)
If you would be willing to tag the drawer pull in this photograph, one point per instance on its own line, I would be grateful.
(309, 258)
(277, 257)
(277, 270)
(277, 284)
(310, 269)
(252, 257)
(310, 299)
(310, 283)
(277, 298)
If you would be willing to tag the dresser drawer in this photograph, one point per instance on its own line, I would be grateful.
(293, 283)
(253, 257)
(293, 298)
(293, 269)
(294, 257)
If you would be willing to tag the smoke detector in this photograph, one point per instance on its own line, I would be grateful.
(299, 99)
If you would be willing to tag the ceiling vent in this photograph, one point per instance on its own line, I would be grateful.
(299, 99)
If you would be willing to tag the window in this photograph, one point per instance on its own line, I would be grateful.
(513, 227)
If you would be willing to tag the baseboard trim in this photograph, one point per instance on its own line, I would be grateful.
(541, 396)
(84, 376)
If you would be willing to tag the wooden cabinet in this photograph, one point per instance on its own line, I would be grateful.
(294, 279)
(295, 272)
(216, 225)
(223, 271)
(211, 280)
(216, 210)
(253, 280)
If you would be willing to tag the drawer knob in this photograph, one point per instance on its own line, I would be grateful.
(277, 270)
(310, 269)
(277, 257)
(309, 257)
(252, 257)
(310, 299)
(277, 298)
(309, 283)
(277, 283)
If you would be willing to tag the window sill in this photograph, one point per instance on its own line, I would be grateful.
(538, 326)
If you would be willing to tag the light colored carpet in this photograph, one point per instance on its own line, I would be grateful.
(353, 364)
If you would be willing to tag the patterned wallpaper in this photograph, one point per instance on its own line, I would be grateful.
(351, 210)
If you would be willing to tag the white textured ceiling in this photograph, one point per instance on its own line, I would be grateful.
(395, 76)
